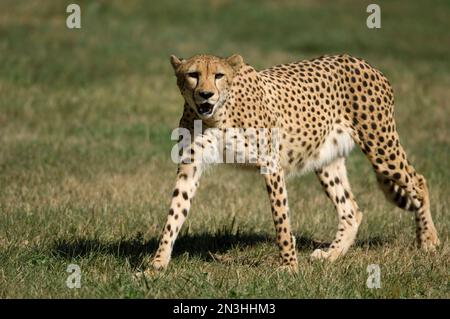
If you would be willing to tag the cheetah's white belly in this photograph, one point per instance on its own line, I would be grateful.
(335, 145)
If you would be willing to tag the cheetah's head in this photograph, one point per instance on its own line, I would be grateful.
(205, 80)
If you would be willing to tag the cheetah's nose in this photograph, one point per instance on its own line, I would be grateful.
(205, 94)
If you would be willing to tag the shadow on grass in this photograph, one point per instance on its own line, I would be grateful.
(136, 249)
(373, 242)
(203, 245)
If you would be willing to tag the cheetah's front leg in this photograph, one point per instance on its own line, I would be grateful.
(185, 187)
(202, 151)
(280, 212)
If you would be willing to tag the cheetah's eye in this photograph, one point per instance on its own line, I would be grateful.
(193, 75)
(219, 75)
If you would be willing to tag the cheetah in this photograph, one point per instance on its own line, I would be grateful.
(323, 107)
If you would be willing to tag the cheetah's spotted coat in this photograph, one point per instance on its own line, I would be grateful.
(323, 106)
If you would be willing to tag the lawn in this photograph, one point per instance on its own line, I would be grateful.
(85, 169)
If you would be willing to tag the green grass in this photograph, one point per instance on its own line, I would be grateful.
(85, 170)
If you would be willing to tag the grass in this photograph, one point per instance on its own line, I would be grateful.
(85, 170)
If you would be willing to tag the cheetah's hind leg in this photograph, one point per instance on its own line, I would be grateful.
(333, 178)
(401, 184)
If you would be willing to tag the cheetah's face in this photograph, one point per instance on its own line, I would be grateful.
(205, 80)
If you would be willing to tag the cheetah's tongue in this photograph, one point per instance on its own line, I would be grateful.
(205, 108)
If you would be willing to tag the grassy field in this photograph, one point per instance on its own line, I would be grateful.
(85, 169)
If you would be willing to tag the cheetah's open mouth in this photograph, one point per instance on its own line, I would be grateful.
(205, 108)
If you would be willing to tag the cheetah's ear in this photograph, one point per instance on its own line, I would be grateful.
(176, 62)
(235, 61)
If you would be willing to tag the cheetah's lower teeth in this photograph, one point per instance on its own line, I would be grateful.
(205, 108)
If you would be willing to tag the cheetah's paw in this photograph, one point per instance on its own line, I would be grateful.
(291, 268)
(329, 255)
(159, 264)
(429, 242)
(156, 267)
